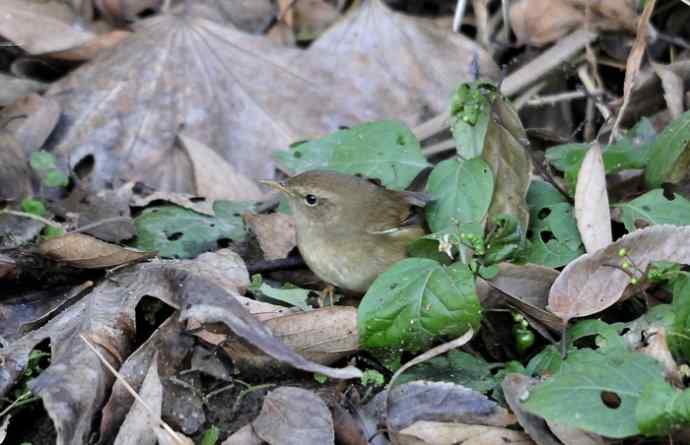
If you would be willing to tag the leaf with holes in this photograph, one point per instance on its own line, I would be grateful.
(462, 192)
(596, 391)
(385, 150)
(553, 236)
(176, 232)
(416, 301)
(655, 208)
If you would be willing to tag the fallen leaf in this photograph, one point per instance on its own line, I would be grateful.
(138, 426)
(539, 22)
(87, 252)
(13, 88)
(294, 416)
(516, 389)
(41, 27)
(575, 436)
(594, 281)
(438, 433)
(15, 177)
(93, 47)
(243, 436)
(438, 401)
(214, 178)
(322, 336)
(191, 202)
(592, 202)
(656, 347)
(673, 86)
(275, 233)
(31, 120)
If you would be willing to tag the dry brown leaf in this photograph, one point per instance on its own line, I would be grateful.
(523, 287)
(322, 336)
(656, 346)
(197, 203)
(592, 202)
(439, 433)
(243, 436)
(275, 233)
(125, 10)
(294, 416)
(15, 176)
(41, 27)
(673, 86)
(515, 387)
(594, 281)
(539, 22)
(31, 120)
(13, 88)
(137, 429)
(632, 66)
(86, 252)
(574, 436)
(214, 178)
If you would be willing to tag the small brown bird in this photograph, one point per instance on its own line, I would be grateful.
(349, 228)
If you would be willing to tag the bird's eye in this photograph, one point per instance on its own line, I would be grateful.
(311, 200)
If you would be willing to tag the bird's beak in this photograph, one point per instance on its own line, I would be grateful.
(278, 186)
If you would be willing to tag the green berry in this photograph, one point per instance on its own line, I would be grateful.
(622, 252)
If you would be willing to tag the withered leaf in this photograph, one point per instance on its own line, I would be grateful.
(595, 281)
(296, 416)
(439, 433)
(592, 202)
(86, 252)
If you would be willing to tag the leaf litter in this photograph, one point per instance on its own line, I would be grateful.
(154, 123)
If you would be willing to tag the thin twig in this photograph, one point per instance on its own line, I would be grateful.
(591, 89)
(32, 216)
(540, 101)
(132, 392)
(459, 14)
(102, 222)
(249, 390)
(532, 91)
(428, 355)
(505, 11)
(525, 76)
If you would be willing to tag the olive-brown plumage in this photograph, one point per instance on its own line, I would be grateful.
(350, 229)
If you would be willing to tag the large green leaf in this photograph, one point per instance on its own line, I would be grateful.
(679, 335)
(462, 191)
(385, 150)
(553, 238)
(654, 208)
(596, 391)
(416, 301)
(670, 155)
(470, 115)
(632, 151)
(176, 232)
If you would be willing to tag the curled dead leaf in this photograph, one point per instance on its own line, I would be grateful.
(86, 252)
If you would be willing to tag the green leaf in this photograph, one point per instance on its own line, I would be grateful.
(662, 409)
(42, 160)
(52, 232)
(654, 208)
(415, 302)
(456, 367)
(679, 334)
(210, 436)
(293, 296)
(605, 335)
(670, 155)
(546, 362)
(33, 206)
(462, 192)
(504, 241)
(372, 377)
(585, 392)
(386, 150)
(470, 115)
(632, 151)
(176, 232)
(55, 178)
(553, 236)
